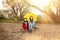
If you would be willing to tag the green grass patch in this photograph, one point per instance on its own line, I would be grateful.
(7, 21)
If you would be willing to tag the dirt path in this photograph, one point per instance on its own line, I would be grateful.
(45, 32)
(11, 31)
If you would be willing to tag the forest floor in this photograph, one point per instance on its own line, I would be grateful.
(12, 31)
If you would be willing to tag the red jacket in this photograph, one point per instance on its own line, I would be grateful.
(25, 26)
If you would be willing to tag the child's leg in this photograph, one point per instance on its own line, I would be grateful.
(30, 27)
(23, 28)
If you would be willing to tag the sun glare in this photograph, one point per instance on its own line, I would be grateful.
(39, 3)
(44, 2)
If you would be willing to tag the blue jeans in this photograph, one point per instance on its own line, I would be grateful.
(31, 25)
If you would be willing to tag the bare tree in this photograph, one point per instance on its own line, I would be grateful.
(48, 10)
(19, 9)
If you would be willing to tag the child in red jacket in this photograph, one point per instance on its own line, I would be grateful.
(25, 25)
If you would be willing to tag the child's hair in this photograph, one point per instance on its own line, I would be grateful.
(25, 18)
(31, 19)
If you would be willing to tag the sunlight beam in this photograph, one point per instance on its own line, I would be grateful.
(39, 3)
